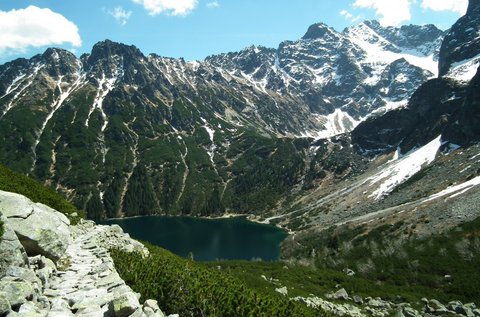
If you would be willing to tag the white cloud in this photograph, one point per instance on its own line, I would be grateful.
(349, 16)
(213, 4)
(35, 27)
(458, 6)
(174, 7)
(390, 13)
(120, 15)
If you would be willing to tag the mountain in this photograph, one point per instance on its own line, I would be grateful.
(420, 183)
(122, 134)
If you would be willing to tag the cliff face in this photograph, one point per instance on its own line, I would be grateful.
(462, 43)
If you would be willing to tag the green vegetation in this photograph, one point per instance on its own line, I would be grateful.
(443, 266)
(194, 289)
(307, 280)
(18, 183)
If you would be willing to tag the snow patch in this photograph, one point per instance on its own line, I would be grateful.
(211, 134)
(104, 87)
(464, 70)
(457, 190)
(336, 123)
(398, 171)
(378, 52)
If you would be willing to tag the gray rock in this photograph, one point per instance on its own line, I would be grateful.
(151, 303)
(95, 297)
(40, 229)
(16, 293)
(125, 304)
(410, 312)
(435, 307)
(4, 304)
(22, 273)
(399, 313)
(110, 281)
(29, 309)
(59, 304)
(378, 303)
(43, 302)
(12, 252)
(358, 299)
(139, 313)
(466, 311)
(341, 294)
(148, 311)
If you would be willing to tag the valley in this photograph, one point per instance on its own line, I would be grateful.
(362, 144)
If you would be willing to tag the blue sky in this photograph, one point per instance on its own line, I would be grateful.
(194, 29)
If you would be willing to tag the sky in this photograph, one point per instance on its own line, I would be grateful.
(194, 29)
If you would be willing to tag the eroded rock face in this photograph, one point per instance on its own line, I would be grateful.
(40, 229)
(11, 250)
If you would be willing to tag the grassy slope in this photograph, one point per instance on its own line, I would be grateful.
(443, 266)
(37, 192)
(195, 289)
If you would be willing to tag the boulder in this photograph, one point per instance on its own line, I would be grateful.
(436, 308)
(40, 229)
(151, 309)
(341, 294)
(410, 312)
(357, 299)
(17, 292)
(125, 304)
(378, 303)
(29, 309)
(12, 252)
(24, 274)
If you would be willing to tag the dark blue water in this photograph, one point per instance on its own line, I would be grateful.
(207, 239)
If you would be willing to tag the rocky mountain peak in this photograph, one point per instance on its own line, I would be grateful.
(318, 31)
(60, 62)
(108, 49)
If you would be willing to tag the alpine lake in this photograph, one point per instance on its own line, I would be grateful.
(207, 239)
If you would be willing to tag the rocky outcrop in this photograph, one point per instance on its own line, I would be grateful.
(463, 40)
(40, 229)
(80, 280)
(346, 306)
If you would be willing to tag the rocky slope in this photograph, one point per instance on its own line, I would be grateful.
(123, 134)
(50, 268)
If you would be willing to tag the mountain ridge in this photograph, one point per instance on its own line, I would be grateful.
(237, 131)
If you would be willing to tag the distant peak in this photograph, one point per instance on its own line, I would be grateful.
(317, 31)
(57, 55)
(108, 48)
